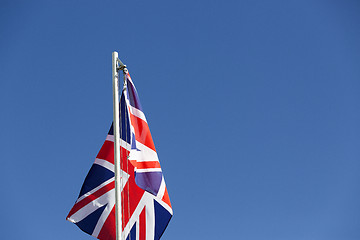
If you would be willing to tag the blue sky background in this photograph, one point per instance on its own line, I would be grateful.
(253, 107)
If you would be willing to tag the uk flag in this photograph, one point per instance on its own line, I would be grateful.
(146, 208)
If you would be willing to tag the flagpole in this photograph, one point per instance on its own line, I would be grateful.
(116, 129)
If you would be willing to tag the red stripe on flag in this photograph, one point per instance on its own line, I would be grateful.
(142, 225)
(107, 152)
(92, 197)
(133, 162)
(142, 132)
(146, 165)
(166, 198)
(130, 192)
(108, 231)
(124, 161)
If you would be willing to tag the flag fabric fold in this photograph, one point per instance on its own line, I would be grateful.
(146, 207)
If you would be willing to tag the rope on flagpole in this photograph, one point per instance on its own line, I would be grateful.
(127, 128)
(126, 114)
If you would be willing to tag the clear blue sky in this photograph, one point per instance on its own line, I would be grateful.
(254, 107)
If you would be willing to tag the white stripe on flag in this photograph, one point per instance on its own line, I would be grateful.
(95, 189)
(145, 154)
(104, 164)
(137, 113)
(92, 206)
(123, 144)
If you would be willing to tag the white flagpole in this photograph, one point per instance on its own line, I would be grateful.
(116, 126)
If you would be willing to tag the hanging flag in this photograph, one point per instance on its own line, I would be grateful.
(146, 208)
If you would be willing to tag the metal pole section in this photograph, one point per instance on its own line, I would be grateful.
(116, 126)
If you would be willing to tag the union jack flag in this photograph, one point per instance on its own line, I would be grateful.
(146, 208)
